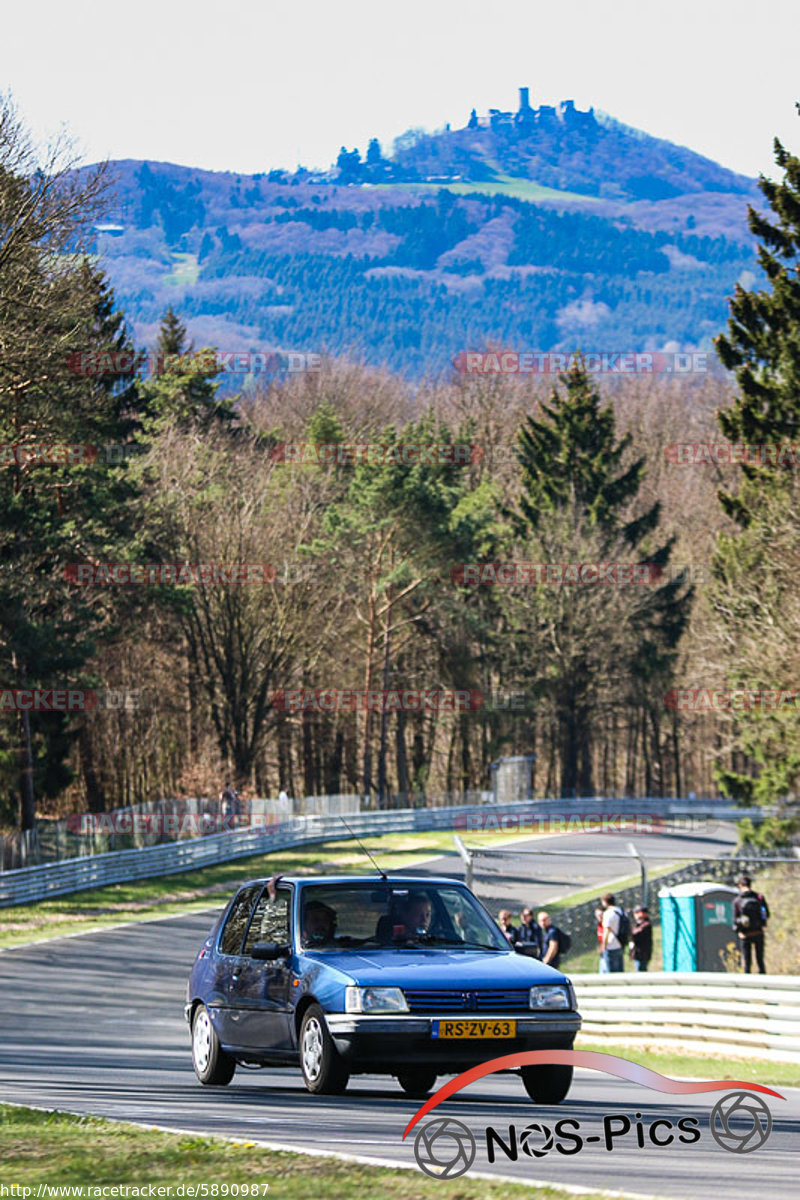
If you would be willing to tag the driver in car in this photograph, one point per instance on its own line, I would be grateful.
(319, 924)
(415, 916)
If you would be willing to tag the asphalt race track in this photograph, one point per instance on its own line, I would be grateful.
(94, 1024)
(515, 880)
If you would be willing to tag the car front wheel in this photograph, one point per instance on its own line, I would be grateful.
(324, 1073)
(416, 1082)
(211, 1064)
(548, 1084)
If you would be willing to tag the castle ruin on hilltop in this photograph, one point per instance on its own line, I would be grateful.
(526, 119)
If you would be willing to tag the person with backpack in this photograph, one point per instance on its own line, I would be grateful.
(529, 939)
(556, 941)
(750, 916)
(616, 932)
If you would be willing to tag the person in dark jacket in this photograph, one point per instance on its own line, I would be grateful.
(641, 942)
(551, 935)
(507, 925)
(530, 939)
(750, 916)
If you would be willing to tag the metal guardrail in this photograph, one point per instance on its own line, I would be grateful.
(181, 819)
(754, 1015)
(28, 884)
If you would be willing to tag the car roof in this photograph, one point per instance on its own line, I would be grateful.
(415, 880)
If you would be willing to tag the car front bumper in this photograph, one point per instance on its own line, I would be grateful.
(391, 1041)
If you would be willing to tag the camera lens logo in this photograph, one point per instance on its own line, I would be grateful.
(531, 1135)
(444, 1148)
(740, 1122)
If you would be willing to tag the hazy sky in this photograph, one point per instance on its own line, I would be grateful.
(247, 86)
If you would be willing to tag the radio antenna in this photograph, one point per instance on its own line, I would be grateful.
(380, 871)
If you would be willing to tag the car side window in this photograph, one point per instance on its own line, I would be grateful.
(270, 921)
(232, 934)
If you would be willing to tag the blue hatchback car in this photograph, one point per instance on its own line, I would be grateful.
(406, 976)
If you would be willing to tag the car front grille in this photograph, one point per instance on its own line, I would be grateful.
(458, 1000)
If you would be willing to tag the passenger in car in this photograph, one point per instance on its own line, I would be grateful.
(319, 924)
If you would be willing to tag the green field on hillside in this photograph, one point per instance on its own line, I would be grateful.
(501, 185)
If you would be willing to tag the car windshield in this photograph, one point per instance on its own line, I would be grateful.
(346, 916)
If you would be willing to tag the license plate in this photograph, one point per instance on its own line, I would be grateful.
(473, 1029)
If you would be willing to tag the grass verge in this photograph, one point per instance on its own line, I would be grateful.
(700, 1066)
(56, 1148)
(191, 891)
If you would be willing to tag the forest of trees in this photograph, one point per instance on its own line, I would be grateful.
(354, 281)
(366, 591)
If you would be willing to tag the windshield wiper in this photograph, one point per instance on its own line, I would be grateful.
(429, 939)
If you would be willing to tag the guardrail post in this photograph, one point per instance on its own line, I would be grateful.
(643, 869)
(466, 856)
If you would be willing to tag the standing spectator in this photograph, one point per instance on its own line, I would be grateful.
(551, 936)
(612, 946)
(750, 916)
(529, 936)
(641, 942)
(229, 802)
(506, 925)
(598, 916)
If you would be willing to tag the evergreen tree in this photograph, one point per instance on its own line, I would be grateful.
(374, 157)
(762, 345)
(754, 590)
(55, 515)
(171, 335)
(184, 388)
(576, 505)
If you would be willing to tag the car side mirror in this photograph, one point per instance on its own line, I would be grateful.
(270, 951)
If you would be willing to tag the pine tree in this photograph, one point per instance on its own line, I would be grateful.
(754, 569)
(374, 157)
(171, 335)
(762, 345)
(576, 500)
(55, 515)
(184, 388)
(572, 455)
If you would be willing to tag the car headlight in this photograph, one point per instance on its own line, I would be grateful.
(550, 996)
(374, 1000)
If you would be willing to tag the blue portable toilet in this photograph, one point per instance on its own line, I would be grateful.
(696, 925)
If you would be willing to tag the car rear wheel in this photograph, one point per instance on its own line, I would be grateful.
(548, 1084)
(324, 1073)
(211, 1064)
(416, 1082)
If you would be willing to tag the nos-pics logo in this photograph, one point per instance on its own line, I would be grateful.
(740, 1122)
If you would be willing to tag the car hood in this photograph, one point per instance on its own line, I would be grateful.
(439, 968)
